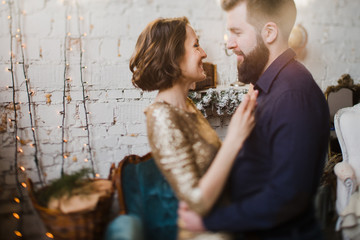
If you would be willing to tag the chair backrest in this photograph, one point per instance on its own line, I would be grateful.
(344, 94)
(143, 191)
(347, 126)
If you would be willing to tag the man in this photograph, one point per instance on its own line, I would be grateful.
(276, 174)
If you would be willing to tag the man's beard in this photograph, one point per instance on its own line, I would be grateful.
(254, 63)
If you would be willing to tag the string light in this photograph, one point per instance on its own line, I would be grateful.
(17, 200)
(30, 93)
(17, 233)
(49, 235)
(24, 185)
(22, 169)
(16, 215)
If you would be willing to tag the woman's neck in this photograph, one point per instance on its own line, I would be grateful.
(176, 96)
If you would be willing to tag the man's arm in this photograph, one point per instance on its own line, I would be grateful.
(298, 138)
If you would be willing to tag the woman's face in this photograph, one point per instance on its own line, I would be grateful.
(191, 63)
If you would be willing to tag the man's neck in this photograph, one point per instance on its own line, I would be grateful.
(275, 52)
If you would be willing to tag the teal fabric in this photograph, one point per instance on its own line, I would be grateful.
(125, 227)
(149, 196)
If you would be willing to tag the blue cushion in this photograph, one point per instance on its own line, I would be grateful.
(125, 227)
(149, 196)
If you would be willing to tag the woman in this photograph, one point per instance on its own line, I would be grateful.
(168, 58)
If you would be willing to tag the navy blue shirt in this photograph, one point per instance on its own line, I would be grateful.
(276, 174)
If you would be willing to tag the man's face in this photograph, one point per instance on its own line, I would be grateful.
(247, 44)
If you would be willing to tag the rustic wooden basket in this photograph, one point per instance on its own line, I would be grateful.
(85, 225)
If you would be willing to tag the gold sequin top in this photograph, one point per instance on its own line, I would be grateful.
(183, 145)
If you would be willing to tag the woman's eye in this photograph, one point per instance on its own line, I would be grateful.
(196, 45)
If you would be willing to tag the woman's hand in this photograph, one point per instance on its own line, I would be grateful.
(243, 120)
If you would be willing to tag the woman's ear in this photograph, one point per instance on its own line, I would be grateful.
(270, 32)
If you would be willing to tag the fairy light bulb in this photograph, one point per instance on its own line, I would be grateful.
(17, 200)
(49, 235)
(24, 185)
(68, 17)
(97, 175)
(18, 138)
(22, 168)
(15, 215)
(86, 160)
(17, 233)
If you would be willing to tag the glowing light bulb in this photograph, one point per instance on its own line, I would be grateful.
(16, 215)
(68, 17)
(17, 233)
(22, 169)
(97, 175)
(86, 160)
(24, 185)
(17, 200)
(49, 235)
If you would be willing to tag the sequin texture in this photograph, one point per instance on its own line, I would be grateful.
(183, 145)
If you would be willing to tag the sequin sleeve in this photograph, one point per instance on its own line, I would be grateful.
(174, 155)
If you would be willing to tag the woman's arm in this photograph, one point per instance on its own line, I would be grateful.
(175, 157)
(241, 124)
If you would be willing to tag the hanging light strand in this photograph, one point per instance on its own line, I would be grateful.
(83, 90)
(29, 97)
(18, 184)
(63, 112)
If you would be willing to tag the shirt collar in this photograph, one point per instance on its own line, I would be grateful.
(267, 78)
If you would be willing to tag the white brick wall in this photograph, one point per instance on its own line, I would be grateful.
(112, 27)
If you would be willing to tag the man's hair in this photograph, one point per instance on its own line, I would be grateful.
(159, 48)
(281, 12)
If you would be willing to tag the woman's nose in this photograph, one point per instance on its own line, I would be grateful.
(203, 53)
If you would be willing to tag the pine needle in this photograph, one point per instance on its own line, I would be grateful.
(63, 186)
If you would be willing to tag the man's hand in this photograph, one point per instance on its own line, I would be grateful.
(188, 219)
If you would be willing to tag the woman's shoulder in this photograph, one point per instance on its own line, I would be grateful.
(159, 109)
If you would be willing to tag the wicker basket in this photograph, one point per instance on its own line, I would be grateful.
(85, 225)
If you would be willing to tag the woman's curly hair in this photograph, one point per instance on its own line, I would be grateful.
(159, 48)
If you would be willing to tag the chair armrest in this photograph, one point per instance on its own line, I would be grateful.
(344, 171)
